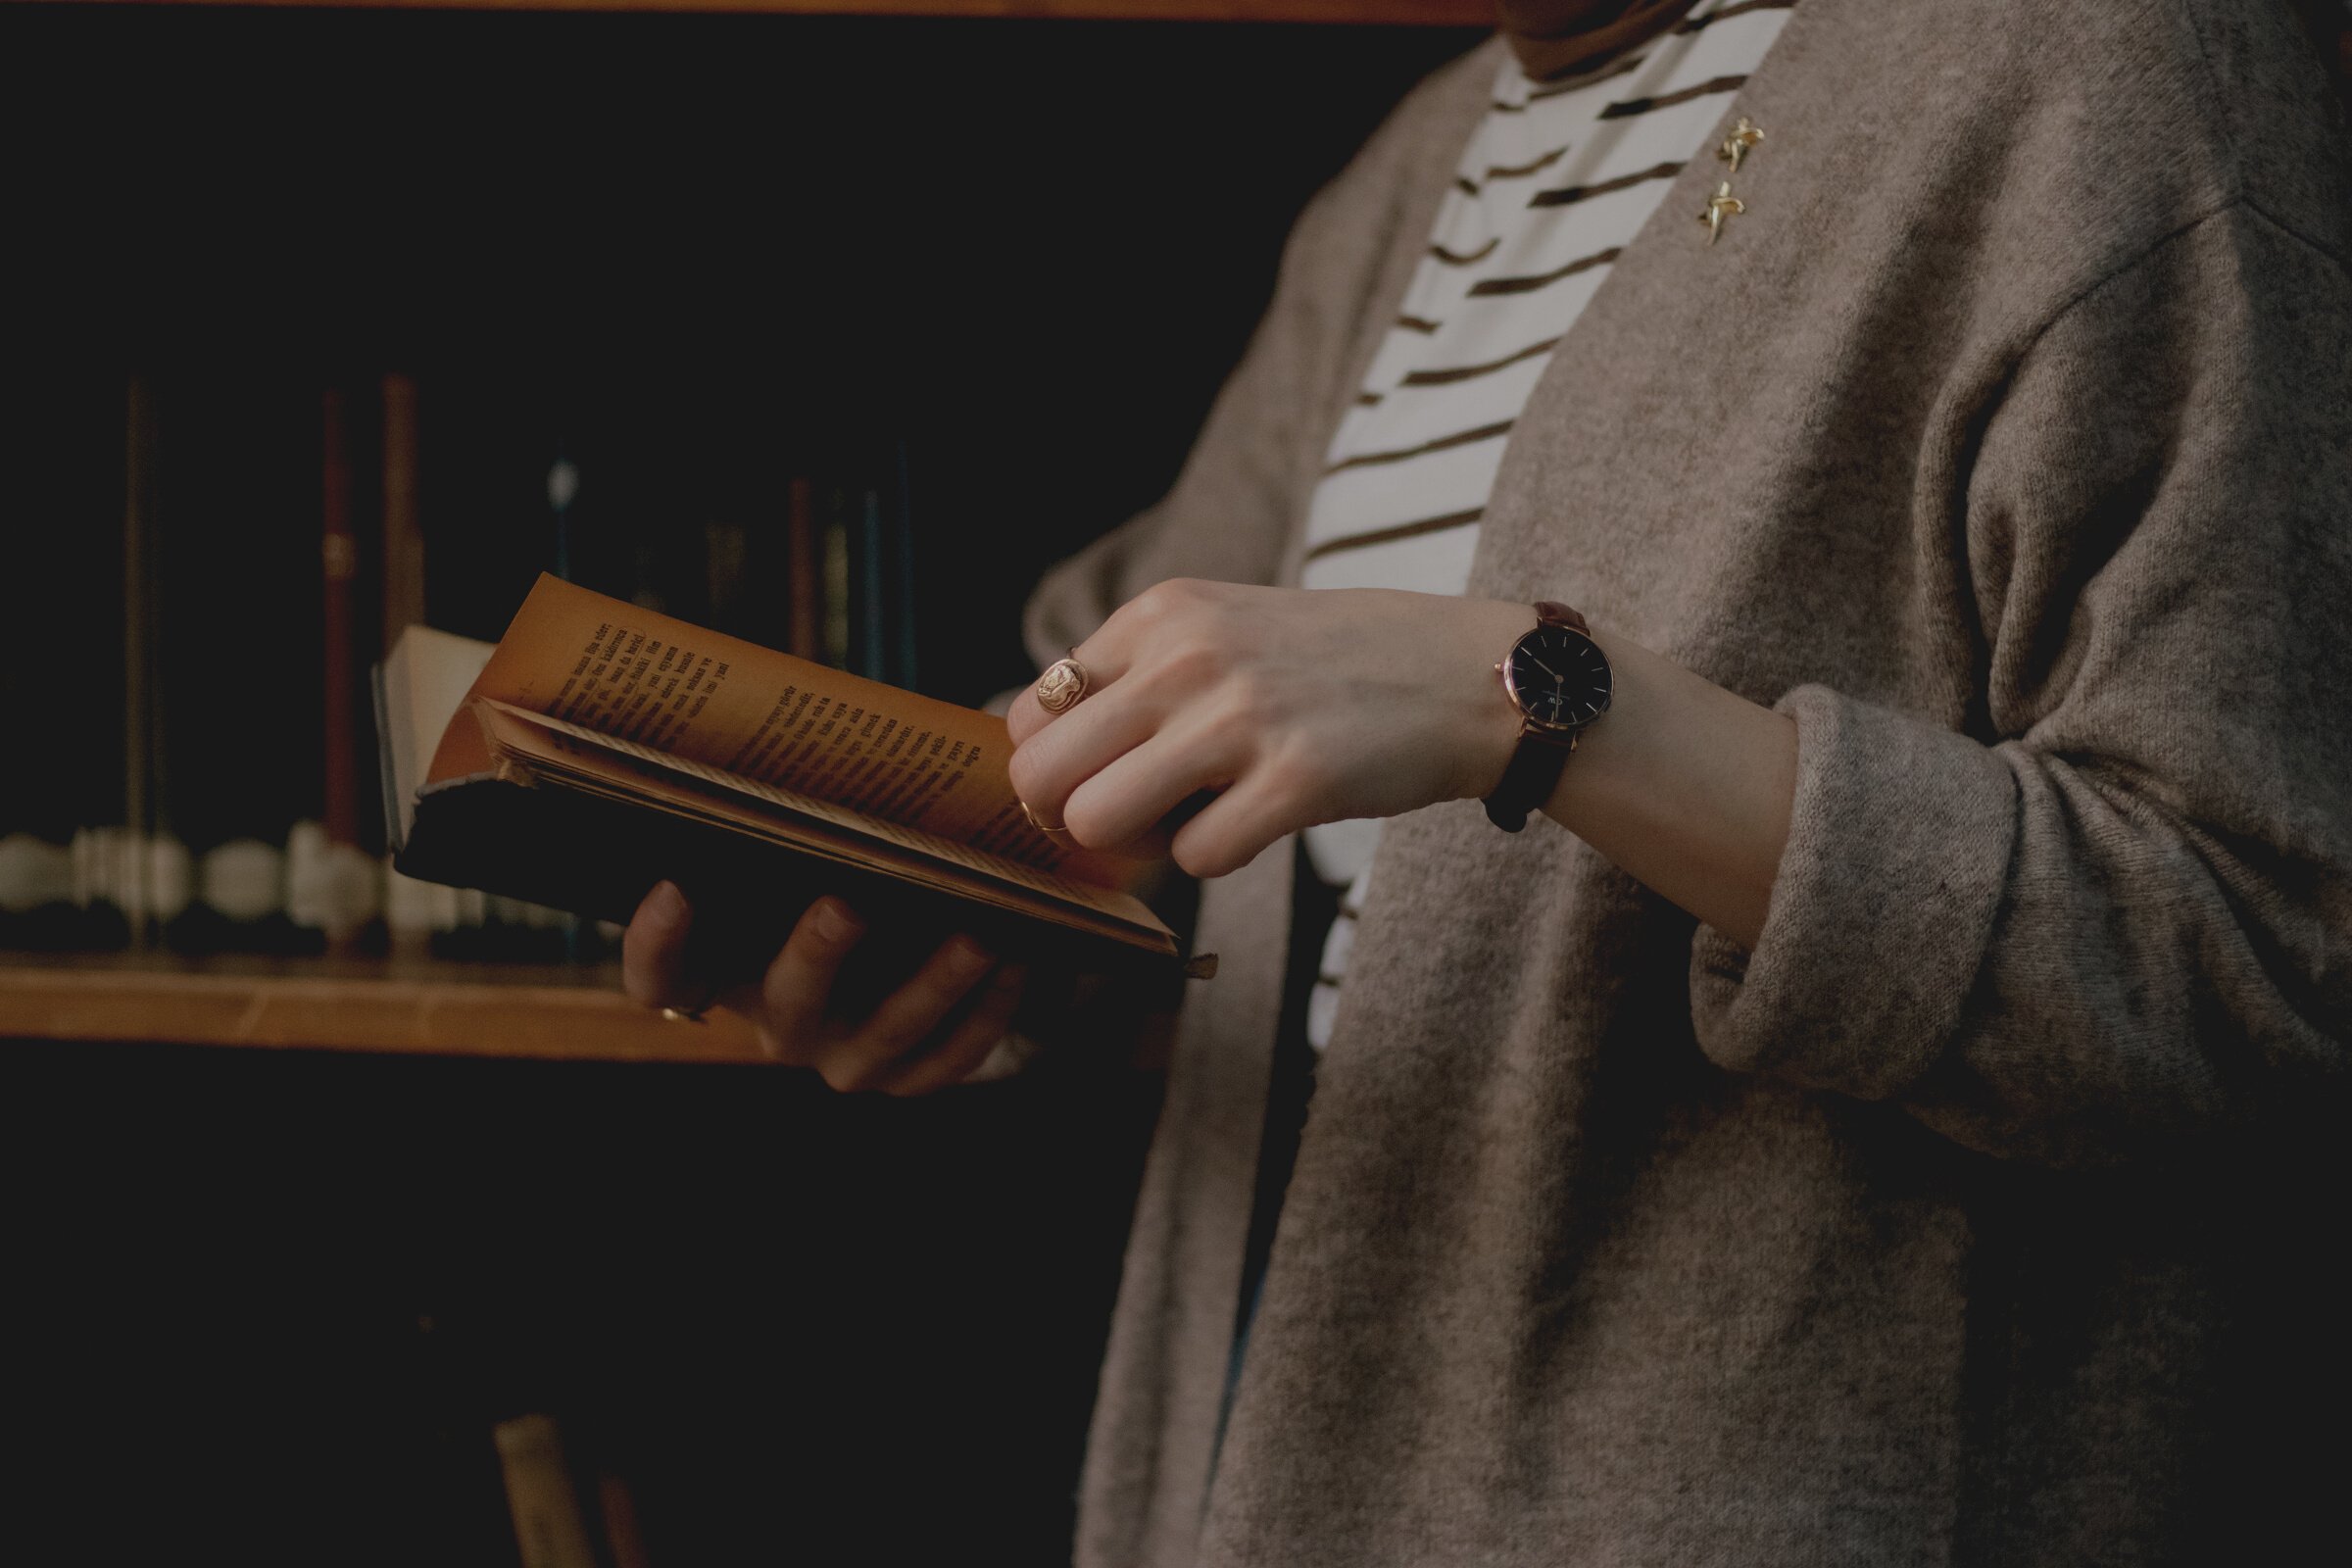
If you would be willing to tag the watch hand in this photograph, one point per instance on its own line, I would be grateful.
(1545, 668)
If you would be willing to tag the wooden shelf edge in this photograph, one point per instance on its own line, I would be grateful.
(1368, 13)
(398, 1016)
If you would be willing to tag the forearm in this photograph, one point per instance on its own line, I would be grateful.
(1283, 708)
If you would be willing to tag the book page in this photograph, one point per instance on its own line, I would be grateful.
(426, 679)
(629, 673)
(537, 737)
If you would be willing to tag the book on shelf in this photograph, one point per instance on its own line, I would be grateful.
(404, 529)
(192, 528)
(600, 747)
(330, 882)
(235, 560)
(803, 576)
(550, 1526)
(66, 498)
(571, 1508)
(898, 568)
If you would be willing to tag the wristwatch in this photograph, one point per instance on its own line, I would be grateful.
(1558, 679)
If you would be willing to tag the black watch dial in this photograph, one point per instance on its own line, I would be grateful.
(1559, 677)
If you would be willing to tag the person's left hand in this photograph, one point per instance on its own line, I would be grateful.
(1291, 707)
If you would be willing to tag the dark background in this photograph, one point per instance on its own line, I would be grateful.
(732, 243)
(262, 1307)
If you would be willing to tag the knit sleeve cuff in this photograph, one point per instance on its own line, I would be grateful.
(1899, 852)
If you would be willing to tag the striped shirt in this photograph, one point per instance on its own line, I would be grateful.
(1556, 180)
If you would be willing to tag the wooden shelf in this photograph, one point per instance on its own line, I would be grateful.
(1378, 12)
(421, 1008)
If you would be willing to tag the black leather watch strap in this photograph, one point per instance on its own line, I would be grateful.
(1528, 782)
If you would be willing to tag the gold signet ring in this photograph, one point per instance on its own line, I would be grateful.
(1061, 686)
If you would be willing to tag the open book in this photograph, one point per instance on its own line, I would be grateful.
(600, 747)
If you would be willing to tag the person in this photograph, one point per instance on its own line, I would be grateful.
(1879, 1110)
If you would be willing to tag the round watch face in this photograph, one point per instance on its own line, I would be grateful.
(1559, 677)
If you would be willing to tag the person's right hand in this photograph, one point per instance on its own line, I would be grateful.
(931, 1032)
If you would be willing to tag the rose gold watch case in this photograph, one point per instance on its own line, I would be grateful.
(1549, 614)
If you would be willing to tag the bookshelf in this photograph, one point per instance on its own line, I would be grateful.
(291, 1233)
(384, 213)
(422, 1006)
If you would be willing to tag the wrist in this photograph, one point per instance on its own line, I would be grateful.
(1486, 732)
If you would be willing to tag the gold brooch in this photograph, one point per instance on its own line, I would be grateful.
(1720, 205)
(1739, 143)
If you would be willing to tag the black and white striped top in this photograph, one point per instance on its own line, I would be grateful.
(1556, 180)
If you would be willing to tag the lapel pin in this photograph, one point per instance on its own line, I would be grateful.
(1720, 205)
(1739, 143)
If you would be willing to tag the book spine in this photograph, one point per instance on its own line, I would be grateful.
(902, 568)
(329, 882)
(873, 583)
(404, 531)
(64, 509)
(804, 573)
(142, 718)
(266, 462)
(549, 1523)
(338, 563)
(563, 489)
(624, 1539)
(727, 581)
(837, 582)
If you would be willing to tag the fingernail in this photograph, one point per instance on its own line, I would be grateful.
(669, 902)
(835, 923)
(966, 956)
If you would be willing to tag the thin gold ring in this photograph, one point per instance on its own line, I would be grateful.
(1061, 687)
(693, 1014)
(1040, 824)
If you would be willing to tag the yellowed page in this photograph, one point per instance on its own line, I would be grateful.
(537, 737)
(617, 670)
(529, 751)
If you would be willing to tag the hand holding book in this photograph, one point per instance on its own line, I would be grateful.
(928, 1031)
(603, 750)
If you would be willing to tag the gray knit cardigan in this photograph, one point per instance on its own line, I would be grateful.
(1978, 1214)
